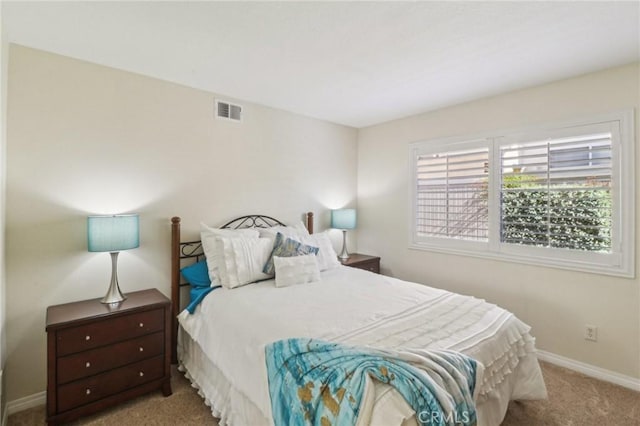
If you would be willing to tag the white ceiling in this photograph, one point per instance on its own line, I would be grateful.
(354, 63)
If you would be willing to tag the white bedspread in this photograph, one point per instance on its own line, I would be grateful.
(357, 307)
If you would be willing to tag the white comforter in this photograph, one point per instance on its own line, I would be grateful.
(358, 307)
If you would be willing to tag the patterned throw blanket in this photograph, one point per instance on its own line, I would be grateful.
(313, 382)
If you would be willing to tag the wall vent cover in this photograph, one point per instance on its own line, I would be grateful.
(228, 111)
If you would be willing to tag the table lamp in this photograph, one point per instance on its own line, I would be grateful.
(343, 219)
(113, 234)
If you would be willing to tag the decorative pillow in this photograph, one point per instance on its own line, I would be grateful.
(327, 257)
(213, 248)
(296, 270)
(286, 247)
(243, 260)
(197, 274)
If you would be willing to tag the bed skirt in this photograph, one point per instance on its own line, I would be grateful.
(232, 407)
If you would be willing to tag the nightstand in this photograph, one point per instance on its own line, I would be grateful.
(363, 261)
(100, 355)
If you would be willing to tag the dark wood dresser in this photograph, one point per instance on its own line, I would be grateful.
(100, 355)
(363, 261)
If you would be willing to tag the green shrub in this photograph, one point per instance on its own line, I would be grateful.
(570, 217)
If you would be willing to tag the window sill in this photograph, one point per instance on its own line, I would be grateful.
(571, 265)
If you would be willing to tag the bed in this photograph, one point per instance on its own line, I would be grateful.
(220, 347)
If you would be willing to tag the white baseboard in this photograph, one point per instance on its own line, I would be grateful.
(591, 370)
(27, 402)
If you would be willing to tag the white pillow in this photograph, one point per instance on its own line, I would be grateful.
(212, 249)
(298, 231)
(327, 257)
(296, 270)
(243, 260)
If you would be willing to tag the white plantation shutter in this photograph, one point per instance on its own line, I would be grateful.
(452, 194)
(557, 193)
(561, 196)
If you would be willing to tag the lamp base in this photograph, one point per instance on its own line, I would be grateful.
(344, 254)
(114, 295)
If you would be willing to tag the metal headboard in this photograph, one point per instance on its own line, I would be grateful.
(183, 252)
(252, 221)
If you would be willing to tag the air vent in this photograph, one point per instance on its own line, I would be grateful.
(228, 111)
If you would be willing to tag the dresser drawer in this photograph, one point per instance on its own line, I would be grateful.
(100, 333)
(84, 391)
(94, 361)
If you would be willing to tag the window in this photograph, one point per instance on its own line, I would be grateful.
(561, 197)
(451, 194)
(554, 193)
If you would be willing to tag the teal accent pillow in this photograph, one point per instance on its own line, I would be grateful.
(197, 274)
(286, 247)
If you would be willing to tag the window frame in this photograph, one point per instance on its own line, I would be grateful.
(621, 260)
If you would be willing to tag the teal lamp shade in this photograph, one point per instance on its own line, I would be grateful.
(113, 233)
(343, 219)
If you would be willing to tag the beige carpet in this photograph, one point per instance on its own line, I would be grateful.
(574, 400)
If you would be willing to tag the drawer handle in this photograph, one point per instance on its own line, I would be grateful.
(141, 374)
(141, 349)
(88, 364)
(87, 337)
(88, 391)
(141, 324)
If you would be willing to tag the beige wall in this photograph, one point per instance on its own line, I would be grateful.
(4, 58)
(86, 139)
(556, 303)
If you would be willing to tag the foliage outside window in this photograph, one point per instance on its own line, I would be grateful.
(578, 219)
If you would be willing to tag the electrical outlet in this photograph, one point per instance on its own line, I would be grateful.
(591, 332)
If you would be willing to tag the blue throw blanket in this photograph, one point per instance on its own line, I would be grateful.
(313, 382)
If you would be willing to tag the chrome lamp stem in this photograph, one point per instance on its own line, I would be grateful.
(114, 295)
(344, 255)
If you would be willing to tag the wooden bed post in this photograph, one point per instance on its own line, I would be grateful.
(175, 286)
(310, 222)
